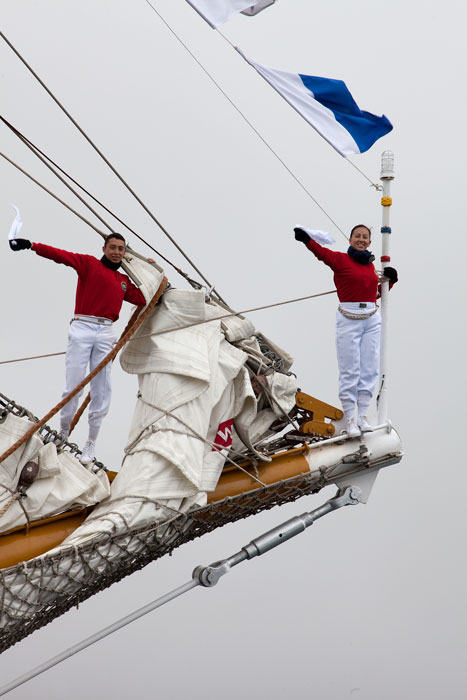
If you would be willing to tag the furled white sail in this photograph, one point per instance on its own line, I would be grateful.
(195, 392)
(62, 483)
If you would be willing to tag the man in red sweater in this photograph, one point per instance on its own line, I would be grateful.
(100, 293)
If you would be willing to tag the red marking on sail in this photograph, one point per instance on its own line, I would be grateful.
(223, 438)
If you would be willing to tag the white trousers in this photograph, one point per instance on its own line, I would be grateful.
(357, 345)
(88, 344)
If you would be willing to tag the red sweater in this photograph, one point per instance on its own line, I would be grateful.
(100, 291)
(354, 282)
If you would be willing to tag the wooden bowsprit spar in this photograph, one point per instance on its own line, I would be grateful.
(206, 576)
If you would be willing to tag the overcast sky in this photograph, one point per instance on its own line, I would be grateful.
(370, 602)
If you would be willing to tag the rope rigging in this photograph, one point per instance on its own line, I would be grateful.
(107, 162)
(189, 325)
(37, 152)
(46, 189)
(43, 158)
(205, 441)
(245, 118)
(112, 354)
(53, 168)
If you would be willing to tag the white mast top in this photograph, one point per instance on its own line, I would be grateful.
(387, 175)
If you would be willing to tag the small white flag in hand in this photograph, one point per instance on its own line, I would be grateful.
(16, 226)
(321, 237)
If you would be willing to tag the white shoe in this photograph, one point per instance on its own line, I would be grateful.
(87, 455)
(352, 428)
(364, 425)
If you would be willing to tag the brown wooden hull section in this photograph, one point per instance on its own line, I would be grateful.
(29, 541)
(44, 535)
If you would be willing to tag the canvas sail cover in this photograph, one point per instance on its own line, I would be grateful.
(195, 396)
(197, 404)
(62, 483)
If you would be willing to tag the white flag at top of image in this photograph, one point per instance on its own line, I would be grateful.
(216, 12)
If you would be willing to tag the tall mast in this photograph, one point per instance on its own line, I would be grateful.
(387, 174)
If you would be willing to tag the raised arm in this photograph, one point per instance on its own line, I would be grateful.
(64, 257)
(328, 257)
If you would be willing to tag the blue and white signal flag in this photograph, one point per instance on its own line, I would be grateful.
(329, 107)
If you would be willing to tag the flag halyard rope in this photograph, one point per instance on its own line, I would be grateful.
(245, 118)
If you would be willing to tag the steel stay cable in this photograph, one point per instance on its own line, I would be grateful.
(44, 160)
(100, 635)
(258, 133)
(36, 150)
(206, 576)
(106, 161)
(46, 189)
(112, 354)
(86, 221)
(188, 325)
(101, 233)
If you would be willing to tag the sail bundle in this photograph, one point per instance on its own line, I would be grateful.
(196, 401)
(62, 483)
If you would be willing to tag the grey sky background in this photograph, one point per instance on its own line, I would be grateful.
(370, 602)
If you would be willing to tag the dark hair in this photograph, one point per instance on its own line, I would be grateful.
(360, 226)
(114, 235)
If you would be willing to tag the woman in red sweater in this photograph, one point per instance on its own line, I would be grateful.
(358, 322)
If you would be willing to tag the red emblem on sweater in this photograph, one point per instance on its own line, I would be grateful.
(124, 286)
(223, 438)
